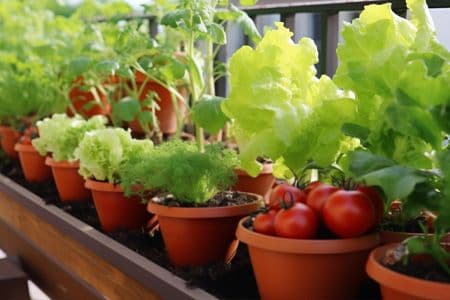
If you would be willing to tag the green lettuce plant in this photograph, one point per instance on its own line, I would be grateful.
(101, 152)
(60, 135)
(179, 168)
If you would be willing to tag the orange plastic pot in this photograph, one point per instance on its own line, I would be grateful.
(32, 163)
(85, 103)
(198, 236)
(307, 269)
(114, 210)
(8, 139)
(69, 183)
(260, 185)
(166, 114)
(397, 286)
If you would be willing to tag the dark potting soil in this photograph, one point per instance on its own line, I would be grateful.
(428, 270)
(227, 198)
(411, 226)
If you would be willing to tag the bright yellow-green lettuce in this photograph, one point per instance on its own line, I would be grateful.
(279, 108)
(102, 151)
(60, 134)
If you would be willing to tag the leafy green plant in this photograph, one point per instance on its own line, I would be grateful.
(60, 135)
(179, 168)
(101, 152)
(280, 109)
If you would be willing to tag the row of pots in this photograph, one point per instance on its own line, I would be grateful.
(284, 268)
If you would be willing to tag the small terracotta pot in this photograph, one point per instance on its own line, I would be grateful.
(32, 163)
(307, 269)
(8, 139)
(114, 210)
(260, 185)
(198, 236)
(69, 183)
(397, 286)
(166, 114)
(85, 103)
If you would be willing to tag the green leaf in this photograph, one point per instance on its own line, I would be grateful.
(107, 67)
(127, 108)
(207, 113)
(79, 65)
(217, 33)
(355, 130)
(176, 18)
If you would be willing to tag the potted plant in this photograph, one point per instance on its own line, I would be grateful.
(197, 217)
(401, 120)
(100, 154)
(60, 136)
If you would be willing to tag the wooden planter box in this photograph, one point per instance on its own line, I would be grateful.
(69, 259)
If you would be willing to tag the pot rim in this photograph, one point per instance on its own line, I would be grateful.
(305, 246)
(397, 281)
(19, 147)
(266, 169)
(6, 128)
(49, 161)
(102, 186)
(205, 212)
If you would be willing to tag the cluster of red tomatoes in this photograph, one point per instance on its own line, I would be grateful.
(296, 213)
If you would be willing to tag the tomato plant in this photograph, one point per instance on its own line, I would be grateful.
(311, 186)
(299, 221)
(265, 222)
(285, 192)
(348, 214)
(318, 197)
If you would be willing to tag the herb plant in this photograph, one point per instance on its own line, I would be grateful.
(180, 169)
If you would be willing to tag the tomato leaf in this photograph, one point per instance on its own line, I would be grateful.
(208, 114)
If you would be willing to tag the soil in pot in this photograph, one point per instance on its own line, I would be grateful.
(32, 163)
(307, 269)
(69, 183)
(260, 185)
(8, 139)
(211, 228)
(394, 233)
(406, 282)
(116, 211)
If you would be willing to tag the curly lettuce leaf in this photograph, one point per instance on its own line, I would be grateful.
(279, 108)
(102, 151)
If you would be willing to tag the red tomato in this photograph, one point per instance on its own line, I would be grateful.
(311, 186)
(348, 213)
(298, 222)
(265, 222)
(317, 197)
(378, 203)
(287, 193)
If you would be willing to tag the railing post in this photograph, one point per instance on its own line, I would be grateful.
(329, 36)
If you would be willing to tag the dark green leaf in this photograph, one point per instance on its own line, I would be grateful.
(355, 130)
(127, 109)
(207, 113)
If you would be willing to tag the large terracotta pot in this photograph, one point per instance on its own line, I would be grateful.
(260, 185)
(85, 103)
(32, 163)
(69, 183)
(307, 269)
(397, 286)
(114, 210)
(166, 114)
(8, 139)
(198, 236)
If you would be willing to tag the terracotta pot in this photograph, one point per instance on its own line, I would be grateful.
(114, 210)
(69, 183)
(198, 236)
(307, 269)
(397, 286)
(260, 185)
(84, 101)
(166, 115)
(32, 163)
(8, 138)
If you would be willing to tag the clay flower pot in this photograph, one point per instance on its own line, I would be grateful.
(307, 269)
(260, 185)
(85, 103)
(32, 163)
(69, 183)
(398, 286)
(198, 236)
(166, 114)
(114, 210)
(8, 139)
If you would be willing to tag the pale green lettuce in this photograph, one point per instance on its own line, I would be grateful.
(279, 108)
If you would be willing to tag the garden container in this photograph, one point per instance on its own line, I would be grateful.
(307, 269)
(32, 163)
(260, 185)
(114, 210)
(85, 103)
(397, 286)
(69, 183)
(8, 138)
(196, 236)
(166, 113)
